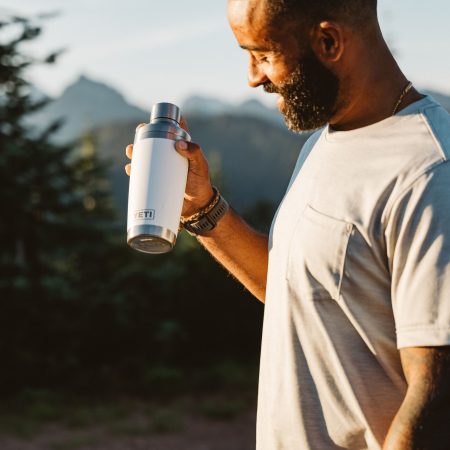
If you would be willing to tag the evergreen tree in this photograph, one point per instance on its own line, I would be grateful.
(56, 216)
(78, 308)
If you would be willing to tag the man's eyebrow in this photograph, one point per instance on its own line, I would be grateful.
(254, 48)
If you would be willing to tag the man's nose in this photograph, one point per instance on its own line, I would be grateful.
(256, 76)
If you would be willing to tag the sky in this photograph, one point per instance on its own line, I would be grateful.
(153, 50)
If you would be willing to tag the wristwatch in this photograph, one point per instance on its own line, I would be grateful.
(208, 220)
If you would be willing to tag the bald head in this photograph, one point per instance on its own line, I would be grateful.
(355, 13)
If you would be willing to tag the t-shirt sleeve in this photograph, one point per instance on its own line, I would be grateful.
(418, 248)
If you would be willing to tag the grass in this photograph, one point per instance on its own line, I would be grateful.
(167, 421)
(120, 418)
(82, 416)
(131, 427)
(74, 443)
(28, 414)
(220, 392)
(221, 409)
(20, 427)
(25, 417)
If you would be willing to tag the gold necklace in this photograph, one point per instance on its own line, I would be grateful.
(402, 96)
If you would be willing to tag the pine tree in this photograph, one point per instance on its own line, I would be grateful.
(78, 308)
(56, 218)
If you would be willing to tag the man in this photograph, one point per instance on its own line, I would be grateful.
(356, 272)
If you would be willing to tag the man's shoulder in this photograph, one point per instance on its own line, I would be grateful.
(424, 162)
(437, 119)
(424, 140)
(411, 143)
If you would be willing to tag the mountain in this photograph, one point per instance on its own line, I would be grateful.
(205, 106)
(87, 104)
(250, 160)
(250, 151)
(37, 94)
(201, 106)
(84, 105)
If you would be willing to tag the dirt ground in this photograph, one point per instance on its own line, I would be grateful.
(196, 433)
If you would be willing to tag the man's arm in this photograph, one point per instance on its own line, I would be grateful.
(241, 250)
(234, 244)
(423, 420)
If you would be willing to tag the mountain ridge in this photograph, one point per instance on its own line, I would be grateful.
(250, 150)
(87, 104)
(84, 105)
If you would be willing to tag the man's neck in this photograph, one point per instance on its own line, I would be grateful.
(374, 93)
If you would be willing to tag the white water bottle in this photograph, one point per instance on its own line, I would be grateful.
(157, 182)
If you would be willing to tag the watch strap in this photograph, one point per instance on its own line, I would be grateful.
(208, 221)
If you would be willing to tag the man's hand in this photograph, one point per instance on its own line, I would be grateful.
(198, 188)
(423, 421)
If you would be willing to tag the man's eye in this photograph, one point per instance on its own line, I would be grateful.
(263, 59)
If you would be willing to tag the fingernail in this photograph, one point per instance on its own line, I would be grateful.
(182, 145)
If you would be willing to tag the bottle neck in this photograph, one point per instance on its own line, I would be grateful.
(164, 120)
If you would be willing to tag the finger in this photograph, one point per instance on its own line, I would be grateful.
(129, 150)
(128, 169)
(189, 150)
(194, 154)
(184, 124)
(140, 125)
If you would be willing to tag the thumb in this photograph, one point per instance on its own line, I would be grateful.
(194, 154)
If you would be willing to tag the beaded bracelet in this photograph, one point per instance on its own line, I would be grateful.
(203, 212)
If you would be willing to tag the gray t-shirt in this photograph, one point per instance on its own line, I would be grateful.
(359, 266)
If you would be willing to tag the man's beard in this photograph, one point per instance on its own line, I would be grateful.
(310, 94)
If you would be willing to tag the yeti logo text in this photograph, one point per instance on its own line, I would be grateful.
(145, 214)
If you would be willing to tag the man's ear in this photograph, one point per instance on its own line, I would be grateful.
(328, 41)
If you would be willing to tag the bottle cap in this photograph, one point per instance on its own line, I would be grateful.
(165, 111)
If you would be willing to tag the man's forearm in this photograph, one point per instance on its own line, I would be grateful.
(402, 435)
(416, 428)
(241, 250)
(423, 420)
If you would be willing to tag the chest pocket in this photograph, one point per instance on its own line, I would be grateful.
(317, 255)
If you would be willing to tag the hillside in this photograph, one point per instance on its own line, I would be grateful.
(209, 107)
(250, 151)
(84, 105)
(251, 160)
(87, 104)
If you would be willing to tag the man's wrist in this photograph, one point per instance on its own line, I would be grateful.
(199, 203)
(206, 219)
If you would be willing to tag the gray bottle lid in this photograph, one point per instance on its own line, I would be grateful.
(165, 111)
